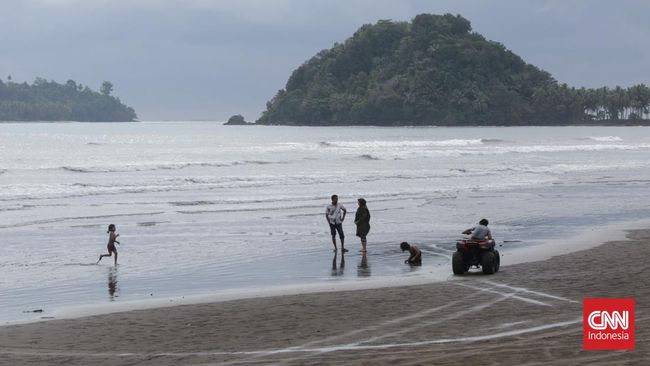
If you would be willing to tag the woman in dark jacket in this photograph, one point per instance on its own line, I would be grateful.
(362, 220)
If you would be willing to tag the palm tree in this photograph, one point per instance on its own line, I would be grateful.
(639, 100)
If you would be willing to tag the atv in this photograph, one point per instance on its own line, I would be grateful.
(475, 253)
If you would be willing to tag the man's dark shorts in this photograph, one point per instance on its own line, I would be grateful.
(337, 227)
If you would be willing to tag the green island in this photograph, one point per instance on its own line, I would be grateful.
(435, 71)
(237, 120)
(50, 101)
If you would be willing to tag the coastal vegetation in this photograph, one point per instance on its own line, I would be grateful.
(50, 101)
(435, 70)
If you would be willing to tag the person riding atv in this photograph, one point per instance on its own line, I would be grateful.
(480, 232)
(477, 250)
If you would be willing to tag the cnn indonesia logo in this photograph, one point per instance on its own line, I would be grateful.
(608, 324)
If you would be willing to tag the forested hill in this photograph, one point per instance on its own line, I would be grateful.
(436, 71)
(50, 101)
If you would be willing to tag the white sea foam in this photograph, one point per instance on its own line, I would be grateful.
(605, 138)
(404, 143)
(409, 149)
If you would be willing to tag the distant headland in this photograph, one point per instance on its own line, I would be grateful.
(50, 101)
(237, 120)
(435, 71)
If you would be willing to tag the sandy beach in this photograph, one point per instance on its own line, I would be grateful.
(527, 314)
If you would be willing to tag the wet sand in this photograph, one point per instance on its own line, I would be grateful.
(527, 314)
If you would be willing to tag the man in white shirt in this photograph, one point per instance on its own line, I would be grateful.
(335, 214)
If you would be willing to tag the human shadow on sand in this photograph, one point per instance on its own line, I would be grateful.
(363, 269)
(341, 268)
(113, 289)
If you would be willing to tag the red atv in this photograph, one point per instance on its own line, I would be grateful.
(475, 253)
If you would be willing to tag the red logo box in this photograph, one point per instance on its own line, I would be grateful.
(608, 324)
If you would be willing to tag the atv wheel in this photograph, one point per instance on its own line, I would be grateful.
(488, 263)
(497, 258)
(457, 263)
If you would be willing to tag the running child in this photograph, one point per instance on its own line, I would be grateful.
(112, 239)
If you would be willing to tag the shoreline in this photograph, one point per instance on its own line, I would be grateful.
(528, 313)
(590, 238)
(613, 123)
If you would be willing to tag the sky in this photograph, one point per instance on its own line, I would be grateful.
(210, 59)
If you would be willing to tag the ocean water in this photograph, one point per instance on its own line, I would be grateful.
(204, 208)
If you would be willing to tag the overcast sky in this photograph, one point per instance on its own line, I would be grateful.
(209, 59)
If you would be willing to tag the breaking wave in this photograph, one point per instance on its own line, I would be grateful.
(406, 143)
(492, 141)
(257, 162)
(569, 148)
(605, 138)
(368, 157)
(76, 170)
(178, 166)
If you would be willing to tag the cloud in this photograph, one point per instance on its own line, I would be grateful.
(211, 59)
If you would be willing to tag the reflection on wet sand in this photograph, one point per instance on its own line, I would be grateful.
(363, 270)
(338, 271)
(113, 290)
